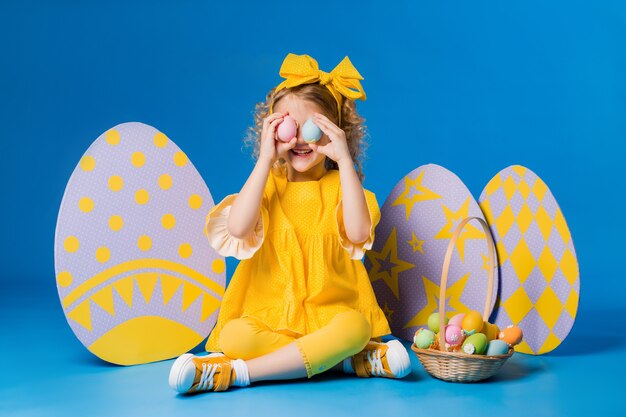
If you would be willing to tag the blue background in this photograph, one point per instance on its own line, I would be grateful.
(472, 86)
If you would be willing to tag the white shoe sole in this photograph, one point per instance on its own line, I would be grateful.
(398, 359)
(183, 372)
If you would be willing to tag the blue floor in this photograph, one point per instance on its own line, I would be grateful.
(47, 372)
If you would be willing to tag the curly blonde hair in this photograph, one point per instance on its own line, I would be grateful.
(351, 122)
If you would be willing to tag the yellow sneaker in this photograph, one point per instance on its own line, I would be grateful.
(388, 360)
(192, 373)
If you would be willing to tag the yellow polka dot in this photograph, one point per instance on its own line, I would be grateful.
(168, 221)
(185, 250)
(103, 254)
(180, 159)
(71, 244)
(116, 222)
(112, 137)
(85, 204)
(116, 183)
(138, 159)
(87, 163)
(218, 266)
(64, 279)
(142, 196)
(160, 140)
(195, 201)
(165, 182)
(144, 243)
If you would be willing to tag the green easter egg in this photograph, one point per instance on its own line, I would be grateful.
(433, 322)
(475, 344)
(424, 338)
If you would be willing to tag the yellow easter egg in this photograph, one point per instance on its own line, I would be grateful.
(490, 330)
(472, 322)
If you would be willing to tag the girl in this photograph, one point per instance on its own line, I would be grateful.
(300, 302)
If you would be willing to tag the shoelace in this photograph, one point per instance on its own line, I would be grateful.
(206, 379)
(374, 358)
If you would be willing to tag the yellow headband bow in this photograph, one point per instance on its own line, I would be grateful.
(341, 81)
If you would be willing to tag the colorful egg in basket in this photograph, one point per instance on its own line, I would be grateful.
(463, 366)
(137, 279)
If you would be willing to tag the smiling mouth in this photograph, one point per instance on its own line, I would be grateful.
(301, 152)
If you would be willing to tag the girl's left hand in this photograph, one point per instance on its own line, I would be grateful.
(337, 149)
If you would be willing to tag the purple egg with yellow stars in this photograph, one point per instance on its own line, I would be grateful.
(405, 263)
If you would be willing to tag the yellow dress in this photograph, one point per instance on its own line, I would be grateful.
(298, 269)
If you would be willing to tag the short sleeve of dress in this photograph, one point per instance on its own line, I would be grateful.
(220, 239)
(355, 250)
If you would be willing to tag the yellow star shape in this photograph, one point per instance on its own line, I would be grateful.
(421, 194)
(388, 254)
(388, 312)
(453, 219)
(453, 294)
(416, 244)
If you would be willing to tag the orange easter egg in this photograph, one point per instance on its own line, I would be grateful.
(512, 335)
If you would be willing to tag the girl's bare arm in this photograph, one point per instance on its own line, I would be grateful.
(356, 217)
(246, 209)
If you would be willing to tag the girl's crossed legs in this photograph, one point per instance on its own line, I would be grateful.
(274, 355)
(260, 354)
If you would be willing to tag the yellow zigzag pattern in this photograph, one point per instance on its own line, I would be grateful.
(146, 283)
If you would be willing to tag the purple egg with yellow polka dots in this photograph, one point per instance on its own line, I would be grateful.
(136, 277)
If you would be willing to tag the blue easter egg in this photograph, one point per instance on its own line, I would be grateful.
(497, 347)
(310, 131)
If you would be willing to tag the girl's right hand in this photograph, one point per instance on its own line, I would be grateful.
(272, 148)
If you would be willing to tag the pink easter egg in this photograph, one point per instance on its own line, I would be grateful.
(454, 335)
(457, 319)
(287, 129)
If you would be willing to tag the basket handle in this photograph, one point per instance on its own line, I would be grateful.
(446, 268)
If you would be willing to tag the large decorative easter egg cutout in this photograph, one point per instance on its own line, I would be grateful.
(137, 279)
(539, 278)
(405, 263)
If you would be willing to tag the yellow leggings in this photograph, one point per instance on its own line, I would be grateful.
(345, 335)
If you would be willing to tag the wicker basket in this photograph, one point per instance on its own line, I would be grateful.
(459, 366)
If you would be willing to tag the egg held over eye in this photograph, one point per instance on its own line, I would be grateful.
(310, 131)
(287, 129)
